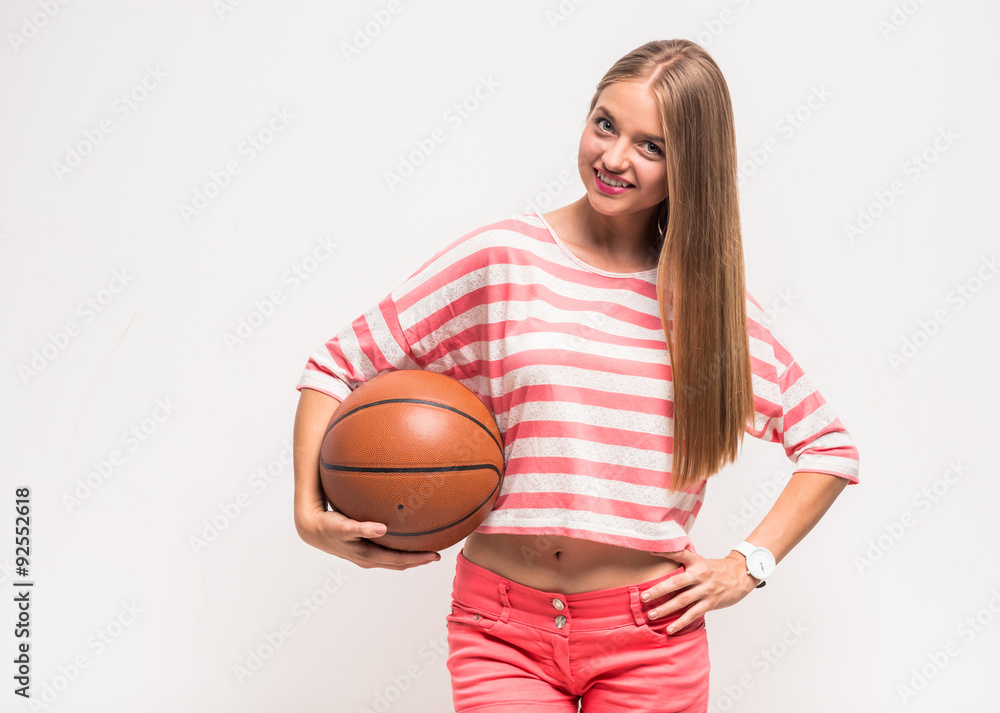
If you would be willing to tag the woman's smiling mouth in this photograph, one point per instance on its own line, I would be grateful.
(608, 184)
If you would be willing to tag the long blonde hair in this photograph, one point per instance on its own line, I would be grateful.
(699, 255)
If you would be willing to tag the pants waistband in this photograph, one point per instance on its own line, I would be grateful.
(480, 589)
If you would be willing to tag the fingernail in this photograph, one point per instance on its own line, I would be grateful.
(645, 596)
(671, 629)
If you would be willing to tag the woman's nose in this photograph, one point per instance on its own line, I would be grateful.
(616, 157)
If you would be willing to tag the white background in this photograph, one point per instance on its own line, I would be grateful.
(843, 305)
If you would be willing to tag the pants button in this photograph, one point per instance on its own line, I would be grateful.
(560, 621)
(557, 603)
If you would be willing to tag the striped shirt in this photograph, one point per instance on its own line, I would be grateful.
(573, 363)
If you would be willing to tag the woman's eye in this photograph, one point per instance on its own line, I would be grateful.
(601, 121)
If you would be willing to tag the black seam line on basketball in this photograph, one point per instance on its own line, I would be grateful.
(415, 469)
(439, 529)
(415, 401)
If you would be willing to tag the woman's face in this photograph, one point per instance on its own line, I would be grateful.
(623, 141)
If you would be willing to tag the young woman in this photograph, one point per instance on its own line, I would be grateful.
(623, 358)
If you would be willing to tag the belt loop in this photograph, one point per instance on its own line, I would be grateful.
(503, 587)
(636, 605)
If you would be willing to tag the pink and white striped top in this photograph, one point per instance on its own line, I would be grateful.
(573, 363)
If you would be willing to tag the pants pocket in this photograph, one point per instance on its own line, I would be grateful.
(658, 627)
(463, 615)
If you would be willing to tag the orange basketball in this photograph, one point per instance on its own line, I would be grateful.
(417, 451)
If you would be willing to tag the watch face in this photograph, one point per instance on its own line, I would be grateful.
(760, 563)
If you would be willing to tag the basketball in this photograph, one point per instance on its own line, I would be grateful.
(417, 451)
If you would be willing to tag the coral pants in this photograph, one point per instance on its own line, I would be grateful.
(512, 648)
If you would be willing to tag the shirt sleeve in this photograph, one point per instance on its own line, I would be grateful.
(790, 410)
(435, 320)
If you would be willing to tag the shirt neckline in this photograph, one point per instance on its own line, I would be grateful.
(586, 265)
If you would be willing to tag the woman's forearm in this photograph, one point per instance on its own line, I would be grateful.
(314, 412)
(800, 505)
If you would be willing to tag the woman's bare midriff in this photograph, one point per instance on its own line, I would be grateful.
(554, 563)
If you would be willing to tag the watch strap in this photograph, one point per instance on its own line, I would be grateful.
(744, 548)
